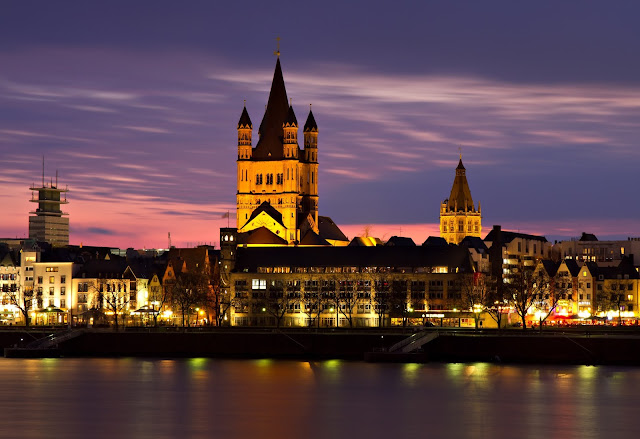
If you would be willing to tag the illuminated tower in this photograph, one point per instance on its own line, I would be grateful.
(49, 223)
(277, 179)
(458, 216)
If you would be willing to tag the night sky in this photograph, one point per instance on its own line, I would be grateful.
(136, 105)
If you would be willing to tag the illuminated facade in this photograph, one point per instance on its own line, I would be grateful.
(277, 179)
(458, 215)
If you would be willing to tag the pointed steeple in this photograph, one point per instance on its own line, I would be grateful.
(245, 120)
(460, 197)
(291, 118)
(310, 124)
(270, 131)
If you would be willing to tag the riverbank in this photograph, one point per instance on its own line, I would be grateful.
(373, 345)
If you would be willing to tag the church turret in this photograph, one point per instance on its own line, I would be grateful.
(290, 134)
(458, 216)
(245, 128)
(311, 139)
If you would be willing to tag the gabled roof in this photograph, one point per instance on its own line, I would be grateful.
(310, 124)
(7, 258)
(269, 145)
(261, 236)
(267, 208)
(573, 267)
(474, 242)
(245, 120)
(400, 241)
(329, 230)
(550, 267)
(193, 257)
(312, 238)
(438, 241)
(460, 197)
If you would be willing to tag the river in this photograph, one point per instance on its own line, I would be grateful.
(210, 398)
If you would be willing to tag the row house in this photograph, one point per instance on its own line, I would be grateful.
(587, 290)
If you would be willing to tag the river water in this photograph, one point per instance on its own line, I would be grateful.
(207, 398)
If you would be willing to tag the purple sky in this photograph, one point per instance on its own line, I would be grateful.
(136, 105)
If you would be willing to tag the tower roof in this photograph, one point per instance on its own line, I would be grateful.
(460, 197)
(310, 124)
(270, 143)
(291, 117)
(245, 120)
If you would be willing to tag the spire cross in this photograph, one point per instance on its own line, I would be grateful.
(460, 151)
(277, 52)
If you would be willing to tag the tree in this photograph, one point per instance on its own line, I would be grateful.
(610, 298)
(23, 301)
(523, 288)
(278, 301)
(398, 302)
(114, 296)
(475, 296)
(191, 289)
(546, 301)
(347, 300)
(380, 297)
(158, 296)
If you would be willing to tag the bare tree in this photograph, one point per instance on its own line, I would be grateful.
(610, 298)
(21, 299)
(475, 295)
(398, 302)
(545, 300)
(114, 296)
(191, 289)
(347, 299)
(523, 288)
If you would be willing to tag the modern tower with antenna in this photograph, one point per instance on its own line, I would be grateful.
(48, 223)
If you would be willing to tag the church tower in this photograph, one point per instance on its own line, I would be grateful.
(458, 216)
(277, 179)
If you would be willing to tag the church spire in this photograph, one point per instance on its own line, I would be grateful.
(460, 197)
(270, 143)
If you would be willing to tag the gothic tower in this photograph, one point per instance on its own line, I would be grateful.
(278, 180)
(458, 216)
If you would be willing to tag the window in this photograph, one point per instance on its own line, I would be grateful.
(63, 291)
(52, 279)
(259, 284)
(52, 291)
(63, 279)
(82, 298)
(63, 303)
(588, 284)
(39, 279)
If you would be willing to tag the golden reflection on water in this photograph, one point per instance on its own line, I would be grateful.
(202, 397)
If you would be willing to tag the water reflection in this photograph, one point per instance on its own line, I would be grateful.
(201, 397)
